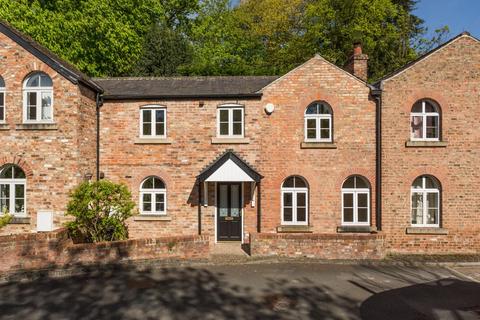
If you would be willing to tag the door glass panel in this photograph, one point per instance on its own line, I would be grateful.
(223, 200)
(235, 200)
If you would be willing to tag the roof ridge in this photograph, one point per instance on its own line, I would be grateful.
(179, 77)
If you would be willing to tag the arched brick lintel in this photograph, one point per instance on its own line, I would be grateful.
(19, 161)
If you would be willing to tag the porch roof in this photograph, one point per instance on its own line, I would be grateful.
(229, 167)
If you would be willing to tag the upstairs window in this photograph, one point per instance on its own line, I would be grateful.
(356, 201)
(38, 98)
(153, 196)
(2, 100)
(425, 121)
(12, 190)
(230, 121)
(318, 122)
(153, 121)
(426, 202)
(294, 201)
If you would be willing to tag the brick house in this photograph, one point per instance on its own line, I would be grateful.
(317, 152)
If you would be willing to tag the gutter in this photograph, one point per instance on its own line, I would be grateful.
(181, 96)
(99, 103)
(376, 92)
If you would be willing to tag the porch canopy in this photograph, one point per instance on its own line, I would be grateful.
(229, 167)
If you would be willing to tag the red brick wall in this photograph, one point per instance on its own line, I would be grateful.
(320, 246)
(55, 160)
(42, 250)
(449, 76)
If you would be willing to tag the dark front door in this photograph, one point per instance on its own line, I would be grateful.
(229, 211)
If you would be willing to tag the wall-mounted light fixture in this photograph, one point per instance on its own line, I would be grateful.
(269, 108)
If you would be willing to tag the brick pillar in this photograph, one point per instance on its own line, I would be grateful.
(357, 64)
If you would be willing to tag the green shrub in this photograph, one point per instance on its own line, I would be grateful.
(100, 209)
(5, 218)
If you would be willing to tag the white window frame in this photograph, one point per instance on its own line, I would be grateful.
(424, 192)
(39, 91)
(318, 118)
(294, 191)
(230, 108)
(424, 115)
(154, 135)
(153, 193)
(11, 184)
(355, 192)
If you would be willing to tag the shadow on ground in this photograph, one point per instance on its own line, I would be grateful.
(122, 292)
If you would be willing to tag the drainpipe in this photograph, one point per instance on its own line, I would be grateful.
(99, 103)
(377, 94)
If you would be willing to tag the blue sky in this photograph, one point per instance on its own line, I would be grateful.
(459, 15)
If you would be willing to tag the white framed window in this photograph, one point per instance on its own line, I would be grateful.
(2, 100)
(318, 122)
(153, 122)
(12, 190)
(38, 98)
(356, 201)
(425, 121)
(294, 201)
(425, 202)
(153, 196)
(230, 121)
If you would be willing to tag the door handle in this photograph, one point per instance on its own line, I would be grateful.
(228, 218)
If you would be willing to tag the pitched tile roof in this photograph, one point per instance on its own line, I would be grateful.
(184, 87)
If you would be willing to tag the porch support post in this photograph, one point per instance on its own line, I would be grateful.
(259, 208)
(199, 208)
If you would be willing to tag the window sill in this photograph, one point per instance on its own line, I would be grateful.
(36, 126)
(425, 144)
(151, 217)
(356, 229)
(4, 126)
(153, 141)
(426, 230)
(318, 145)
(294, 229)
(218, 140)
(20, 220)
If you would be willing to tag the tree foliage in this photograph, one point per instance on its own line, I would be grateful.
(100, 209)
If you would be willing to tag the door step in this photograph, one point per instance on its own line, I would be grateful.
(228, 251)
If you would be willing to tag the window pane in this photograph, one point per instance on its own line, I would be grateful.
(324, 123)
(324, 109)
(432, 127)
(4, 197)
(430, 183)
(46, 106)
(311, 123)
(45, 81)
(223, 115)
(2, 113)
(2, 99)
(160, 129)
(224, 129)
(19, 191)
(158, 183)
(311, 134)
(362, 215)
(32, 113)
(325, 133)
(301, 199)
(148, 184)
(349, 183)
(417, 107)
(418, 183)
(147, 202)
(289, 183)
(287, 214)
(429, 107)
(160, 202)
(417, 208)
(432, 200)
(19, 205)
(7, 172)
(287, 199)
(312, 109)
(31, 105)
(237, 128)
(348, 200)
(147, 115)
(362, 200)
(301, 214)
(360, 183)
(348, 214)
(417, 127)
(18, 173)
(160, 116)
(432, 216)
(33, 81)
(237, 115)
(147, 129)
(299, 183)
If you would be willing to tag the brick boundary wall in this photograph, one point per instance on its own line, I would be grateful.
(320, 246)
(55, 249)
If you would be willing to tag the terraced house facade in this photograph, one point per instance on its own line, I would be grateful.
(318, 152)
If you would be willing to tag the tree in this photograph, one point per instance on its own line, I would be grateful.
(100, 209)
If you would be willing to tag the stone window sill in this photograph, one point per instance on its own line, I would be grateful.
(151, 217)
(356, 229)
(152, 141)
(294, 229)
(36, 126)
(4, 126)
(426, 230)
(218, 140)
(318, 145)
(425, 144)
(20, 220)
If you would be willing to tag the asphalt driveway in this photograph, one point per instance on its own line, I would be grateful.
(250, 291)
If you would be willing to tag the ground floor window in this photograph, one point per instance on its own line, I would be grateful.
(425, 202)
(295, 201)
(356, 201)
(12, 190)
(153, 196)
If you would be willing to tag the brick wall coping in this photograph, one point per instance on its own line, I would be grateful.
(317, 236)
(43, 236)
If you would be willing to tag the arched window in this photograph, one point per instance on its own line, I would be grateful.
(356, 201)
(425, 121)
(318, 122)
(12, 190)
(426, 202)
(38, 98)
(2, 100)
(295, 201)
(153, 196)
